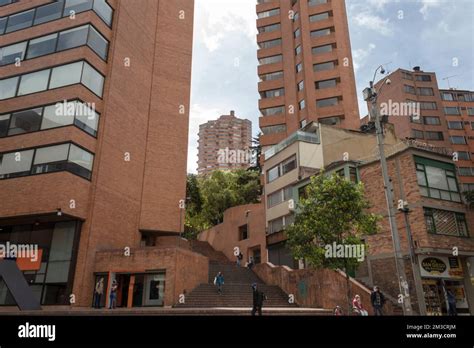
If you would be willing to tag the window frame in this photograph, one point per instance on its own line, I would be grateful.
(424, 162)
(280, 166)
(43, 107)
(66, 163)
(48, 88)
(35, 9)
(90, 27)
(459, 218)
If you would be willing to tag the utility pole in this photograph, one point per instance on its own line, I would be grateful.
(414, 263)
(371, 95)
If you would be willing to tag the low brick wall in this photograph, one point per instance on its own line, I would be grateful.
(184, 269)
(322, 288)
(225, 236)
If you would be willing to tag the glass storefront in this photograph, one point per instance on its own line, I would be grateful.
(51, 280)
(146, 289)
(441, 275)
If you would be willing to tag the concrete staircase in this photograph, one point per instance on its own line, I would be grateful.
(237, 290)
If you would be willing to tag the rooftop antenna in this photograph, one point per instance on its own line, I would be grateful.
(447, 79)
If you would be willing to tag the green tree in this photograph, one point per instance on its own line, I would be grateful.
(218, 192)
(193, 222)
(193, 195)
(248, 186)
(209, 196)
(334, 211)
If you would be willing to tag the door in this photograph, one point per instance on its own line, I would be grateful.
(257, 256)
(154, 289)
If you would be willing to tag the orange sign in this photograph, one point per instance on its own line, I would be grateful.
(27, 264)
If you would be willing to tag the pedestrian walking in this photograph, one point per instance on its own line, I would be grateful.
(98, 292)
(239, 259)
(113, 295)
(250, 263)
(258, 298)
(219, 281)
(451, 303)
(378, 300)
(357, 307)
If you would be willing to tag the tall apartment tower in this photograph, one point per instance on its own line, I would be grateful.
(224, 144)
(93, 140)
(305, 67)
(442, 118)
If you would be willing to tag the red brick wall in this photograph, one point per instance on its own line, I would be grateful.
(225, 236)
(382, 262)
(184, 269)
(371, 176)
(324, 288)
(348, 108)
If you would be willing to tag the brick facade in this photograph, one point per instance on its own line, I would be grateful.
(225, 236)
(380, 265)
(322, 288)
(184, 269)
(140, 152)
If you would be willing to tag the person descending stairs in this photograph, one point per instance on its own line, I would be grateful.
(237, 286)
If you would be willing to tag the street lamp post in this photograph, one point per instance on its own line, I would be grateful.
(371, 95)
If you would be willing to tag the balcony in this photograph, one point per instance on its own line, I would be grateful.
(297, 136)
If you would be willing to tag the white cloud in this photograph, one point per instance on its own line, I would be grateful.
(374, 22)
(360, 55)
(427, 5)
(378, 4)
(217, 17)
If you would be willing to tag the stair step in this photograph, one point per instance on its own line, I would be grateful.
(236, 291)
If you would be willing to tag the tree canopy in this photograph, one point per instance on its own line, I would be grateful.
(332, 215)
(209, 196)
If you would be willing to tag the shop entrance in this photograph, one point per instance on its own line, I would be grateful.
(138, 289)
(123, 281)
(436, 298)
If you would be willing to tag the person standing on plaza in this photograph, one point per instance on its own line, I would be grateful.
(98, 292)
(113, 295)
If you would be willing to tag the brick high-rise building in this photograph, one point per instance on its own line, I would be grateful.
(93, 144)
(442, 118)
(306, 72)
(224, 144)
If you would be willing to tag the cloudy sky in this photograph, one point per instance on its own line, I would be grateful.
(434, 34)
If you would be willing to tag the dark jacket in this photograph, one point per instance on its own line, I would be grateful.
(258, 298)
(373, 299)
